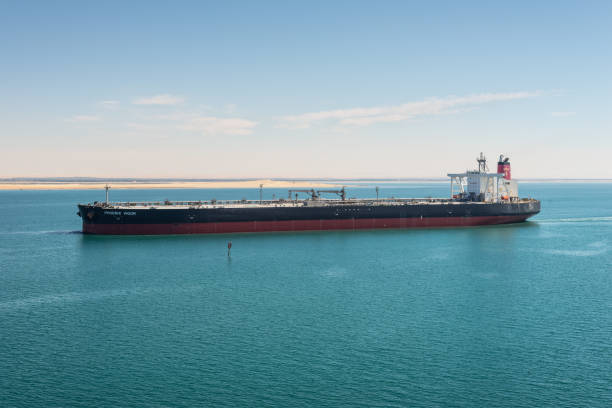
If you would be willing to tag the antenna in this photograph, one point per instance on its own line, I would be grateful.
(107, 187)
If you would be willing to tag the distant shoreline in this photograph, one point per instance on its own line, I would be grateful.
(126, 183)
(123, 185)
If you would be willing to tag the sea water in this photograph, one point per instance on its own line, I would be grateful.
(512, 315)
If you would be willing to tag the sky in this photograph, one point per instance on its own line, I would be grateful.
(340, 89)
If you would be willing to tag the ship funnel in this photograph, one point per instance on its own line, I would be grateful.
(503, 166)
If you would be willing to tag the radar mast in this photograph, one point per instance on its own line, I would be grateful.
(482, 163)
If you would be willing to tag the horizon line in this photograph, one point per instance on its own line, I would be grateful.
(195, 179)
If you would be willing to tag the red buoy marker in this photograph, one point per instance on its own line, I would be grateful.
(229, 248)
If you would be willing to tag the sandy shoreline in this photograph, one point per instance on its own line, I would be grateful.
(97, 185)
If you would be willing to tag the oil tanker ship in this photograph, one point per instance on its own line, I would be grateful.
(476, 198)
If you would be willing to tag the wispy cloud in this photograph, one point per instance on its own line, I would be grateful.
(111, 105)
(177, 116)
(230, 108)
(397, 113)
(562, 114)
(83, 118)
(211, 125)
(141, 126)
(164, 99)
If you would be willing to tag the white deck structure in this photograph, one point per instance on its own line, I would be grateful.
(478, 185)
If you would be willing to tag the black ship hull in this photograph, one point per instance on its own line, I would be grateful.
(101, 219)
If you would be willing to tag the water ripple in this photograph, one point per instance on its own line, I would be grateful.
(70, 297)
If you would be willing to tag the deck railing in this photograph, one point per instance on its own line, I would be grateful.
(271, 203)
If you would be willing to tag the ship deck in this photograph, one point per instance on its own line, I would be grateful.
(176, 205)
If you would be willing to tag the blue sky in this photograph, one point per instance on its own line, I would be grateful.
(304, 89)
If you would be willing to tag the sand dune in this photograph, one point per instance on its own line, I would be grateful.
(98, 185)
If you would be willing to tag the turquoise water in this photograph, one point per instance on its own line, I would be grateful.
(517, 315)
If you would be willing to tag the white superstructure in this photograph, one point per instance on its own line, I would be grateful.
(478, 185)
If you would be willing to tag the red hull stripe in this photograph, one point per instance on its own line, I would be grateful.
(297, 225)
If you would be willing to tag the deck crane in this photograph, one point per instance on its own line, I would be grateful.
(312, 192)
(341, 192)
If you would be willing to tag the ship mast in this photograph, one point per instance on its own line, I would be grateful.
(482, 163)
(106, 187)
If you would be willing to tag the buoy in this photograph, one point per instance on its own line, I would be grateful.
(229, 248)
